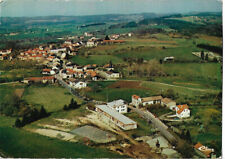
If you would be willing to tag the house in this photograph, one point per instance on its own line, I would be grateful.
(45, 79)
(109, 74)
(94, 76)
(79, 85)
(88, 34)
(91, 44)
(136, 100)
(169, 103)
(183, 111)
(78, 69)
(151, 100)
(113, 116)
(204, 151)
(118, 105)
(108, 67)
(46, 71)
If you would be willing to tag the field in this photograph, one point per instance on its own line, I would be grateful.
(53, 98)
(125, 89)
(20, 143)
(18, 74)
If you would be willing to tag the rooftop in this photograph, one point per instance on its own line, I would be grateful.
(116, 103)
(167, 100)
(147, 99)
(115, 114)
(181, 108)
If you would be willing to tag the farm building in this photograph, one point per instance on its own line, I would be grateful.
(169, 103)
(115, 117)
(136, 100)
(118, 105)
(183, 111)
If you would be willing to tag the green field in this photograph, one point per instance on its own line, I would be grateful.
(52, 97)
(147, 88)
(20, 143)
(19, 74)
(195, 75)
(96, 59)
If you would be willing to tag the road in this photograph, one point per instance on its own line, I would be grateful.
(157, 123)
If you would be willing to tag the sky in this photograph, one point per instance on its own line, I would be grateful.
(21, 8)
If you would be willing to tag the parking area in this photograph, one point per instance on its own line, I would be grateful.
(94, 134)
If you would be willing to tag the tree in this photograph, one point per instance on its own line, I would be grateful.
(206, 57)
(65, 107)
(107, 37)
(160, 61)
(73, 104)
(188, 136)
(18, 123)
(202, 55)
(43, 112)
(110, 63)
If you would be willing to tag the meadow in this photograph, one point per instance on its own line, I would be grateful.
(52, 97)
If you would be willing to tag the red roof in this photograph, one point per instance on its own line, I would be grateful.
(70, 70)
(48, 77)
(198, 145)
(181, 108)
(135, 97)
(46, 70)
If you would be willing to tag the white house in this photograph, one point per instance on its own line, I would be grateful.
(80, 85)
(169, 103)
(108, 114)
(112, 75)
(91, 44)
(136, 100)
(183, 111)
(118, 105)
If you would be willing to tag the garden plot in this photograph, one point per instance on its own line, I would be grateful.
(94, 134)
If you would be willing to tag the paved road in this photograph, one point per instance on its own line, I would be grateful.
(157, 123)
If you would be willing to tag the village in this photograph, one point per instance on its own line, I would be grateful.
(74, 77)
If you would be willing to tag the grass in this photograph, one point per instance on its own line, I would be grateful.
(8, 89)
(20, 143)
(100, 91)
(196, 75)
(96, 59)
(144, 129)
(210, 117)
(52, 97)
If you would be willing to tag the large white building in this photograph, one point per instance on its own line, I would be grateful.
(109, 114)
(118, 105)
